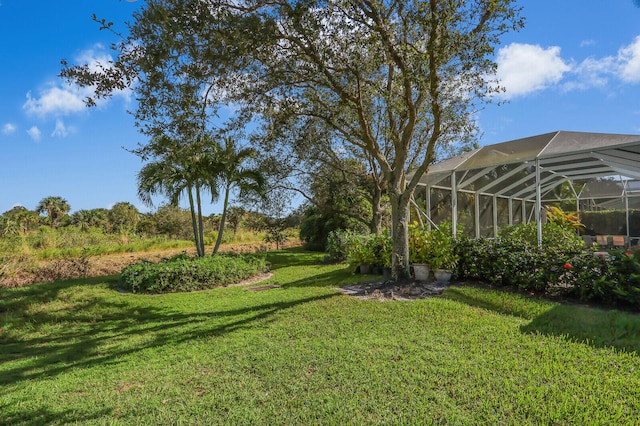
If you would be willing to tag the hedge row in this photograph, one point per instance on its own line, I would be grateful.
(184, 273)
(560, 267)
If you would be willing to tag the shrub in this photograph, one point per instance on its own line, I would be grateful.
(443, 246)
(554, 236)
(369, 249)
(381, 247)
(183, 273)
(361, 252)
(612, 279)
(559, 266)
(419, 247)
(340, 243)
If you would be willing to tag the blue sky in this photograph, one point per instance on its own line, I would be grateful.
(575, 66)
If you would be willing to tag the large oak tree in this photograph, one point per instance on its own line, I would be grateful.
(393, 79)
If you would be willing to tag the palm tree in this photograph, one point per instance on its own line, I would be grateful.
(24, 218)
(180, 169)
(231, 174)
(8, 226)
(27, 220)
(54, 207)
(85, 219)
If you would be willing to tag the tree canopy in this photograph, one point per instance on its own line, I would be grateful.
(392, 79)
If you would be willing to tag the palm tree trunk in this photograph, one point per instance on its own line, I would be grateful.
(200, 224)
(222, 219)
(194, 222)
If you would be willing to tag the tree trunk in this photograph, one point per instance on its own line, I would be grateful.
(376, 210)
(400, 236)
(222, 219)
(194, 223)
(200, 224)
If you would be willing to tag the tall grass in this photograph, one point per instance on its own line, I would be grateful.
(47, 243)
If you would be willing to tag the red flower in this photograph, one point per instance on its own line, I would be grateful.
(567, 266)
(601, 255)
(628, 253)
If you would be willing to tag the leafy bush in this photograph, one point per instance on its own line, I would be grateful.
(381, 246)
(554, 236)
(609, 279)
(183, 273)
(419, 245)
(443, 246)
(367, 249)
(361, 252)
(611, 222)
(340, 243)
(559, 266)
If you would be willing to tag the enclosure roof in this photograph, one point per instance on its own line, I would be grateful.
(562, 156)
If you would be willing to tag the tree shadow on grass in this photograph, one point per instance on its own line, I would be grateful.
(597, 327)
(98, 332)
(600, 328)
(44, 415)
(490, 303)
(50, 329)
(331, 279)
(294, 256)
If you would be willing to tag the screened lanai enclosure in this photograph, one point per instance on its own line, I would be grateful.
(596, 175)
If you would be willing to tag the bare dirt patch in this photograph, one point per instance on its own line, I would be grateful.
(263, 287)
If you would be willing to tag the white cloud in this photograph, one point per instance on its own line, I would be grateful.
(8, 128)
(60, 99)
(585, 43)
(629, 58)
(597, 72)
(527, 68)
(55, 101)
(61, 130)
(592, 73)
(35, 133)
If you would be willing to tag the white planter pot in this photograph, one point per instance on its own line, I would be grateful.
(442, 275)
(421, 271)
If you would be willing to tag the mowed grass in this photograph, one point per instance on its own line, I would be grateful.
(80, 351)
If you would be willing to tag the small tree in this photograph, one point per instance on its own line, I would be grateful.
(276, 232)
(235, 215)
(123, 216)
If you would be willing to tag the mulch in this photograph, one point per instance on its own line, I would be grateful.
(385, 290)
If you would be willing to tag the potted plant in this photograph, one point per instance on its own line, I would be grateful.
(361, 254)
(384, 249)
(444, 258)
(419, 252)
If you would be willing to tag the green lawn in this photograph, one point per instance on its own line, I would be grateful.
(80, 351)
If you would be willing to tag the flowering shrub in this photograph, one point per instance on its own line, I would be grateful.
(560, 266)
(611, 279)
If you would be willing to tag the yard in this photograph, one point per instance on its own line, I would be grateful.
(303, 353)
